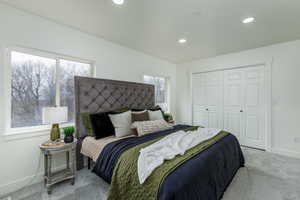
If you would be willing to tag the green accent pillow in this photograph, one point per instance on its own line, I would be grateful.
(87, 120)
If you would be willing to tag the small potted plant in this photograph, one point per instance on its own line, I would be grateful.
(69, 131)
(168, 117)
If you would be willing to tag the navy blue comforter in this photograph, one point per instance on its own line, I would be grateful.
(204, 177)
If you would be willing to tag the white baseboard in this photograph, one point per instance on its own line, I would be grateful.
(23, 182)
(285, 152)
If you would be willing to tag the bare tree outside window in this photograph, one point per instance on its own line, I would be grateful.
(161, 90)
(69, 69)
(33, 86)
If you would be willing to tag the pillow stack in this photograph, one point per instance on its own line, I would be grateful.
(124, 122)
(99, 125)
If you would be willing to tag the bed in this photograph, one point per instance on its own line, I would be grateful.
(204, 174)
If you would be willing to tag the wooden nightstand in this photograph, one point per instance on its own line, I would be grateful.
(51, 178)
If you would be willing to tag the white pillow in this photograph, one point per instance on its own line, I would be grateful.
(155, 115)
(121, 123)
(146, 127)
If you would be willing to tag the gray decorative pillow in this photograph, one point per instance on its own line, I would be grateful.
(140, 116)
(155, 115)
(146, 127)
(121, 123)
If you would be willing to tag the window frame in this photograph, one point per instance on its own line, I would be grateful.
(41, 129)
(167, 86)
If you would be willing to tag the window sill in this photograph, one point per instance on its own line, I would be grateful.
(17, 135)
(30, 132)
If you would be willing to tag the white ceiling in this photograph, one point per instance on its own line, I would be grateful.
(212, 27)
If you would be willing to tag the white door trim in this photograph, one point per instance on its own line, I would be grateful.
(268, 92)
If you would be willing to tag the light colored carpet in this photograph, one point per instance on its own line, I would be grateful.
(266, 177)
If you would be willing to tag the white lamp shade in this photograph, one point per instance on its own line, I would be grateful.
(55, 115)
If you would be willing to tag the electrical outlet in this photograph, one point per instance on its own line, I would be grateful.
(297, 140)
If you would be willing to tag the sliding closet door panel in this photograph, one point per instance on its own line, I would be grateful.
(207, 99)
(254, 108)
(233, 123)
(252, 127)
(244, 106)
(214, 99)
(200, 115)
(199, 89)
(213, 120)
(233, 101)
(213, 95)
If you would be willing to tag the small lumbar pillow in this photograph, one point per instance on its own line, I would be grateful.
(146, 127)
(140, 116)
(155, 115)
(122, 123)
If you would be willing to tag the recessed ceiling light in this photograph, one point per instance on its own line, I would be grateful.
(118, 2)
(248, 20)
(182, 40)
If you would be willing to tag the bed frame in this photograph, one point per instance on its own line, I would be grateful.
(96, 95)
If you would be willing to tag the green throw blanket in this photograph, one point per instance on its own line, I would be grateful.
(125, 183)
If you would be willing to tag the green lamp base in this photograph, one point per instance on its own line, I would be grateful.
(55, 132)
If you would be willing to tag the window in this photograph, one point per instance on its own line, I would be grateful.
(161, 90)
(69, 69)
(32, 87)
(37, 82)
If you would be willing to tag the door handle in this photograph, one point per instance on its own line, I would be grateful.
(241, 111)
(206, 109)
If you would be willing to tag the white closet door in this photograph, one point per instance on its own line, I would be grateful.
(244, 107)
(214, 99)
(207, 99)
(233, 102)
(200, 115)
(254, 107)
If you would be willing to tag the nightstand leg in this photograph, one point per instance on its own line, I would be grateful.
(49, 162)
(45, 168)
(68, 159)
(74, 163)
(49, 165)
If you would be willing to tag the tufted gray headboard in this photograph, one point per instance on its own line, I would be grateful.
(95, 95)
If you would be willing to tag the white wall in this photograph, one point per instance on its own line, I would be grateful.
(285, 89)
(19, 158)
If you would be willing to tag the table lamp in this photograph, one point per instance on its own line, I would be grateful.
(54, 116)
